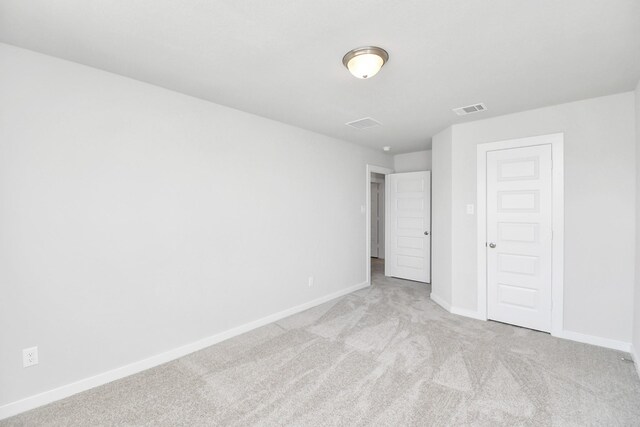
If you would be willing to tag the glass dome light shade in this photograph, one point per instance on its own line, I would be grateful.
(365, 66)
(365, 62)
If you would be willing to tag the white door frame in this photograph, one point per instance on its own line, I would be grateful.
(367, 212)
(557, 276)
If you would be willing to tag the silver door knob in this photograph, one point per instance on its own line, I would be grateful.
(492, 245)
(426, 233)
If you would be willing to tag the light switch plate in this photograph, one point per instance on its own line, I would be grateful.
(470, 209)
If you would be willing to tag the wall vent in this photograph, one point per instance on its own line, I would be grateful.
(365, 123)
(470, 109)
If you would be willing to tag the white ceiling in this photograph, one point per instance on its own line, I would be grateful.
(282, 58)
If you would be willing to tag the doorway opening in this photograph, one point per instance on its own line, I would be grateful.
(377, 219)
(375, 212)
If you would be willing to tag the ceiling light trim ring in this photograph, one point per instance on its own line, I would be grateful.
(375, 50)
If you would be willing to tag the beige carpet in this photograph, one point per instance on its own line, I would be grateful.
(386, 355)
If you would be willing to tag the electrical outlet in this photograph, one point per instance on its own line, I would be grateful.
(29, 357)
(310, 281)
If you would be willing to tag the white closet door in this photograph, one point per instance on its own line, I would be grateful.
(519, 245)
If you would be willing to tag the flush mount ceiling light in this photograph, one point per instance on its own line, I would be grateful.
(365, 62)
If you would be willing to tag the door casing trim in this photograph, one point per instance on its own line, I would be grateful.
(557, 263)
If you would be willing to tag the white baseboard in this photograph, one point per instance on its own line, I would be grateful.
(569, 335)
(67, 390)
(636, 359)
(593, 340)
(441, 302)
(467, 313)
(455, 310)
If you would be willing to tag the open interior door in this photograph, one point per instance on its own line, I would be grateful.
(408, 248)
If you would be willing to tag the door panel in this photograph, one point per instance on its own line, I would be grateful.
(409, 248)
(519, 232)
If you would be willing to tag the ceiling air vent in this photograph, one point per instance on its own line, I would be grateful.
(475, 108)
(365, 123)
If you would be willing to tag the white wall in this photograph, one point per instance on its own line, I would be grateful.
(441, 231)
(636, 304)
(135, 220)
(412, 162)
(599, 207)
